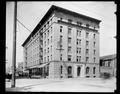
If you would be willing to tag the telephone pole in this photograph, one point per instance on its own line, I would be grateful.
(14, 46)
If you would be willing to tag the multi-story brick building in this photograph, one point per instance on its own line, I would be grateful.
(63, 44)
(108, 64)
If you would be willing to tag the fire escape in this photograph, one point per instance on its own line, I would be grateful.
(60, 51)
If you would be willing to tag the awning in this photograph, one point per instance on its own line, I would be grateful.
(42, 65)
(39, 66)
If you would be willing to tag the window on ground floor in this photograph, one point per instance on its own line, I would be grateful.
(109, 63)
(61, 67)
(87, 70)
(94, 70)
(69, 70)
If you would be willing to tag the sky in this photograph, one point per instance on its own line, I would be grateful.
(30, 13)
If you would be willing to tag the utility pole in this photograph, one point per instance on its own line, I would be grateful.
(14, 46)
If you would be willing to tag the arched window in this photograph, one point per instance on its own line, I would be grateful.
(94, 70)
(69, 70)
(87, 70)
(61, 67)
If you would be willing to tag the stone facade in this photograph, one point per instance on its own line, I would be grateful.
(70, 44)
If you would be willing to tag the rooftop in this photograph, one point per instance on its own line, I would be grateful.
(108, 57)
(50, 11)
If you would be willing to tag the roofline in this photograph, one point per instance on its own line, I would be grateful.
(49, 12)
(104, 57)
(75, 13)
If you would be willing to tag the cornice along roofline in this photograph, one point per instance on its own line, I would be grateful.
(49, 12)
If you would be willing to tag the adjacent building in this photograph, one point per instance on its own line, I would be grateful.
(108, 64)
(20, 66)
(64, 44)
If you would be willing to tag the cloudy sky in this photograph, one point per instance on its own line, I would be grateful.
(30, 13)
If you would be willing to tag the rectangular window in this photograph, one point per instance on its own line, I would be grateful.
(48, 50)
(69, 57)
(94, 44)
(103, 63)
(77, 41)
(78, 33)
(51, 20)
(77, 58)
(61, 19)
(87, 43)
(51, 30)
(87, 59)
(48, 58)
(45, 35)
(45, 59)
(69, 49)
(69, 21)
(51, 57)
(94, 52)
(69, 31)
(45, 43)
(87, 25)
(61, 38)
(69, 40)
(109, 63)
(51, 39)
(79, 50)
(87, 51)
(44, 26)
(51, 48)
(61, 57)
(61, 29)
(48, 33)
(48, 42)
(94, 59)
(94, 36)
(45, 51)
(87, 34)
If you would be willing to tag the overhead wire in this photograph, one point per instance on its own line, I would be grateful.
(23, 25)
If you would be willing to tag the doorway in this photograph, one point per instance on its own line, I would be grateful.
(78, 70)
(69, 72)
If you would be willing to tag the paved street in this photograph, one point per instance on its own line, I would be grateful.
(64, 85)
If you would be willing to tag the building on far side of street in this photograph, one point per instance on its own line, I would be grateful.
(64, 44)
(20, 66)
(108, 64)
(19, 69)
